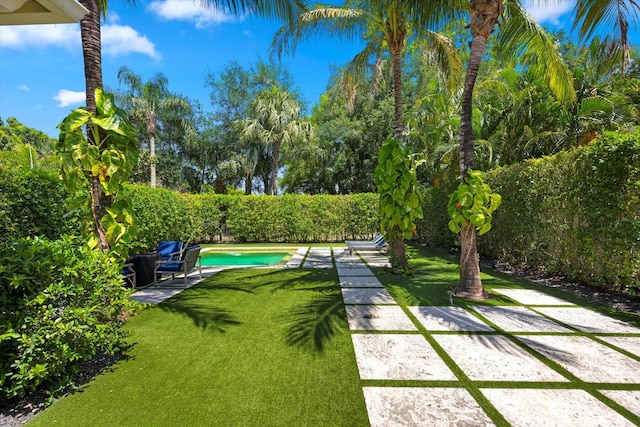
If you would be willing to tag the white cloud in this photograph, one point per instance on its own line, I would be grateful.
(122, 39)
(548, 12)
(69, 97)
(24, 36)
(24, 87)
(190, 11)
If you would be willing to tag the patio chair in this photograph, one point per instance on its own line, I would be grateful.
(187, 261)
(169, 250)
(129, 274)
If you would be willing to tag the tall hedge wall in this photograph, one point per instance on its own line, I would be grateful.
(576, 213)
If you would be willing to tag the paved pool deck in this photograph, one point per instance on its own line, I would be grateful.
(542, 361)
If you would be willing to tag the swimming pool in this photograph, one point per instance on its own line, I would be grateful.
(228, 259)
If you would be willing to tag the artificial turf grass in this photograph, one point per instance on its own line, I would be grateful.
(245, 347)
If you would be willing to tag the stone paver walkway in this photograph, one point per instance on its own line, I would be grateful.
(544, 362)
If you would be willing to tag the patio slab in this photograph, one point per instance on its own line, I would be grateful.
(398, 357)
(630, 344)
(588, 320)
(531, 297)
(585, 358)
(544, 407)
(519, 319)
(355, 271)
(495, 358)
(378, 318)
(359, 282)
(448, 319)
(630, 399)
(367, 296)
(417, 406)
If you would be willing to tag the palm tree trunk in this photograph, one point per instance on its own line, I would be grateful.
(484, 16)
(92, 53)
(248, 184)
(151, 130)
(398, 122)
(274, 169)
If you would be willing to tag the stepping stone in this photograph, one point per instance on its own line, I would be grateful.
(630, 344)
(367, 296)
(448, 319)
(519, 319)
(359, 282)
(543, 407)
(398, 357)
(495, 358)
(627, 398)
(355, 271)
(585, 358)
(378, 318)
(588, 320)
(345, 265)
(531, 297)
(417, 406)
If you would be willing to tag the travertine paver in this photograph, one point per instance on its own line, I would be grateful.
(378, 318)
(543, 407)
(630, 344)
(519, 319)
(588, 320)
(630, 399)
(318, 258)
(296, 259)
(531, 297)
(367, 296)
(428, 407)
(359, 282)
(355, 271)
(448, 319)
(398, 357)
(585, 358)
(495, 358)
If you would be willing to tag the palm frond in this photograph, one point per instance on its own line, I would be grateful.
(521, 36)
(446, 58)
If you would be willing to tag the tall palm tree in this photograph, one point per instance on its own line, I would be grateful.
(92, 53)
(149, 99)
(593, 14)
(386, 26)
(275, 122)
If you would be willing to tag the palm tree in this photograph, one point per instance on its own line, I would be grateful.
(149, 99)
(593, 14)
(92, 53)
(275, 122)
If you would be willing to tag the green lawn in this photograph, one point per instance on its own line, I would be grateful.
(245, 347)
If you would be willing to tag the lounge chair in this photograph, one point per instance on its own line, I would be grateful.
(373, 241)
(184, 264)
(381, 244)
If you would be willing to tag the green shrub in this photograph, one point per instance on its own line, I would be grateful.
(60, 303)
(33, 202)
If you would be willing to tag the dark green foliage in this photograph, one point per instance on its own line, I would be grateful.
(33, 202)
(576, 213)
(60, 303)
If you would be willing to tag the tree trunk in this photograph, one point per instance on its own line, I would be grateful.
(92, 54)
(470, 284)
(151, 130)
(274, 169)
(396, 45)
(248, 184)
(484, 16)
(398, 251)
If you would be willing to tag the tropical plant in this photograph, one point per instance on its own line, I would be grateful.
(148, 100)
(105, 157)
(400, 203)
(275, 121)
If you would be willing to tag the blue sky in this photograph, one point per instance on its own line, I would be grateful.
(41, 68)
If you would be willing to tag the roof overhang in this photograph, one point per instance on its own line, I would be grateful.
(24, 12)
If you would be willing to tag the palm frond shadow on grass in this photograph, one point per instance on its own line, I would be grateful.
(313, 324)
(196, 304)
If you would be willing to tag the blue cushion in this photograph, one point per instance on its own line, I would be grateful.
(167, 247)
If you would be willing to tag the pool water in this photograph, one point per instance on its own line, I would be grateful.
(223, 259)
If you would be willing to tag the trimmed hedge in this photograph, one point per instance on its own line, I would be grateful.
(167, 215)
(576, 213)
